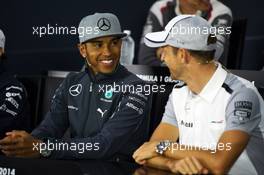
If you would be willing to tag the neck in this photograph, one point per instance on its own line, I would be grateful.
(187, 10)
(199, 76)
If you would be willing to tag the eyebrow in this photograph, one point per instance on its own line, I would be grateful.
(98, 40)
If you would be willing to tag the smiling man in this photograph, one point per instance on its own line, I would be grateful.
(104, 123)
(216, 116)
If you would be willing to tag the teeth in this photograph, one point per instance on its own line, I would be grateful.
(107, 61)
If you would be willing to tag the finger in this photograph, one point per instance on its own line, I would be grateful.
(191, 165)
(181, 170)
(18, 153)
(173, 166)
(197, 164)
(9, 153)
(7, 141)
(142, 162)
(17, 133)
(205, 171)
(9, 147)
(185, 166)
(139, 160)
(17, 143)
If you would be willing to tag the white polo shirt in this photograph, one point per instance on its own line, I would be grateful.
(227, 102)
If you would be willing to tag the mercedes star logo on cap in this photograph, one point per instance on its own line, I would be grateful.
(75, 89)
(104, 24)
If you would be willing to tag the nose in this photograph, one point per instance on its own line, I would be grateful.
(106, 51)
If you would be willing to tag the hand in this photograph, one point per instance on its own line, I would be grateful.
(146, 151)
(19, 144)
(188, 165)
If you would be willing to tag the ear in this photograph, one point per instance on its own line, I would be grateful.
(82, 50)
(185, 56)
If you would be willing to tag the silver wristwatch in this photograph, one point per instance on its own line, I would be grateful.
(163, 146)
(46, 152)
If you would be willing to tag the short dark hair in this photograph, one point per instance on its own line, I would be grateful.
(205, 56)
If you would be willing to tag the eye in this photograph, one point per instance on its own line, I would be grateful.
(115, 42)
(97, 45)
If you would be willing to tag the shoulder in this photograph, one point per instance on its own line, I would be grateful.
(241, 89)
(159, 7)
(11, 84)
(75, 77)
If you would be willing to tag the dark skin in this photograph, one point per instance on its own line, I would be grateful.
(19, 144)
(103, 56)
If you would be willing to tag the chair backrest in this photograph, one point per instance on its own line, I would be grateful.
(34, 87)
(50, 84)
(236, 43)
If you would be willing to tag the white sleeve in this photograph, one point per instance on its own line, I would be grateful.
(169, 114)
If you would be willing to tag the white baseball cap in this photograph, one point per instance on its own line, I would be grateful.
(2, 40)
(183, 31)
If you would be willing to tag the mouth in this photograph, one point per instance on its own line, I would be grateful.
(106, 62)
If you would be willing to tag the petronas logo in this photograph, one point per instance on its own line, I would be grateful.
(109, 94)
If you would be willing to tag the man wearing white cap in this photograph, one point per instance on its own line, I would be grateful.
(105, 119)
(14, 112)
(217, 116)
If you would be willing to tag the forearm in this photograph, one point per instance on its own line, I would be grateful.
(159, 162)
(209, 159)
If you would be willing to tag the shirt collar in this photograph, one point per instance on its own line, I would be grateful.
(118, 73)
(213, 86)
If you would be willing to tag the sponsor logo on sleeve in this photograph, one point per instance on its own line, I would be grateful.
(243, 111)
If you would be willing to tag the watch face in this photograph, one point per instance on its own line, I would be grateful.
(159, 149)
(45, 153)
(162, 146)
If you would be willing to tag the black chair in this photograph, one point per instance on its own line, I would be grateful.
(236, 44)
(50, 84)
(34, 87)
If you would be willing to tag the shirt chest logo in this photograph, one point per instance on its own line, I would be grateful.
(101, 112)
(108, 94)
(75, 90)
(186, 124)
